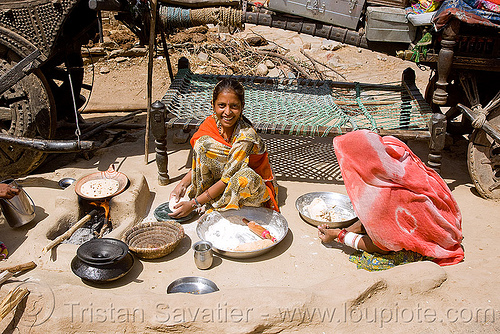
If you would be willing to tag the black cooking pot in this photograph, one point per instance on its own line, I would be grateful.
(102, 260)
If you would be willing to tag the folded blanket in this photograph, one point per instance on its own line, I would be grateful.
(402, 203)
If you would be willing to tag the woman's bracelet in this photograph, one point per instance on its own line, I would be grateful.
(196, 203)
(352, 239)
(208, 195)
(341, 235)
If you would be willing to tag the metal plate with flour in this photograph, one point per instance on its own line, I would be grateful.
(341, 205)
(213, 227)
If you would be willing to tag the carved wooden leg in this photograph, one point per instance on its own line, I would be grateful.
(437, 127)
(404, 117)
(445, 60)
(160, 133)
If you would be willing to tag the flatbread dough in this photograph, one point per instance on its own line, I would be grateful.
(318, 210)
(254, 245)
(99, 188)
(173, 202)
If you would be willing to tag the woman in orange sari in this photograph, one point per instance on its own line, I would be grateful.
(230, 166)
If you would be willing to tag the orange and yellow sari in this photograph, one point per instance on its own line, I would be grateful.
(242, 163)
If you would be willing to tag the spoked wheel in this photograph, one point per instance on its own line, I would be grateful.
(483, 160)
(27, 109)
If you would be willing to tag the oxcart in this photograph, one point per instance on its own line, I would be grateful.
(42, 67)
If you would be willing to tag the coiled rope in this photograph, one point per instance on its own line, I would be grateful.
(176, 17)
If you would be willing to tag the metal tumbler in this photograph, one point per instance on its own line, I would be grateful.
(203, 254)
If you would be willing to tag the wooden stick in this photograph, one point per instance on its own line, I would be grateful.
(110, 123)
(69, 232)
(20, 267)
(10, 301)
(5, 275)
(152, 37)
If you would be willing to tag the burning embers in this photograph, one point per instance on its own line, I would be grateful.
(99, 224)
(103, 224)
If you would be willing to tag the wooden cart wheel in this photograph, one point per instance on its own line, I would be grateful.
(483, 160)
(27, 109)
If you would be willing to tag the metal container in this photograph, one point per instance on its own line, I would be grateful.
(343, 13)
(102, 260)
(193, 285)
(340, 203)
(20, 209)
(385, 24)
(203, 254)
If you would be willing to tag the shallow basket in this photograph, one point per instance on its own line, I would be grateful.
(153, 240)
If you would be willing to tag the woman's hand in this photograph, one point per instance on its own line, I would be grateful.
(327, 234)
(6, 191)
(182, 209)
(178, 192)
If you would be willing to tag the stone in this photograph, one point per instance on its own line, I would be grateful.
(269, 64)
(269, 47)
(333, 61)
(256, 41)
(261, 70)
(121, 59)
(306, 46)
(222, 57)
(104, 70)
(332, 45)
(203, 57)
(274, 73)
(290, 75)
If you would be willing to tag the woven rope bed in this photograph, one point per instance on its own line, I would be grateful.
(299, 107)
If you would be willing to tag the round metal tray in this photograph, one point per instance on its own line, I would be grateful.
(111, 173)
(262, 216)
(342, 206)
(193, 285)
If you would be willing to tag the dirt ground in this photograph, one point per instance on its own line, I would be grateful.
(301, 286)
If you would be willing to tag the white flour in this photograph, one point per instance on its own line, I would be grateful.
(229, 233)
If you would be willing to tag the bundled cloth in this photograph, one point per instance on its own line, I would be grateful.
(402, 203)
(465, 12)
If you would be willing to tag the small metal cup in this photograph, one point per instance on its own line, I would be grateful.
(203, 254)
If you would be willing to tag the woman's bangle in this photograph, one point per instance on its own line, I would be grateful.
(196, 203)
(341, 236)
(208, 195)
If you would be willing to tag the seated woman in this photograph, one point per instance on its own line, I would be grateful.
(230, 166)
(406, 211)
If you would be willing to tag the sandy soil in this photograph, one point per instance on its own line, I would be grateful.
(300, 286)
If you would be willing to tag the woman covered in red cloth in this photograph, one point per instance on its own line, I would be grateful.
(230, 167)
(406, 211)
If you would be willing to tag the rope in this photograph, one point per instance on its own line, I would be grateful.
(175, 17)
(363, 108)
(469, 86)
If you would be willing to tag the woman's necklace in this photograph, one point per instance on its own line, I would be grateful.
(221, 130)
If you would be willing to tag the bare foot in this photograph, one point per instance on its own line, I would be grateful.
(327, 234)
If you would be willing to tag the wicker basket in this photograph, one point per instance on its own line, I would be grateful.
(154, 239)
